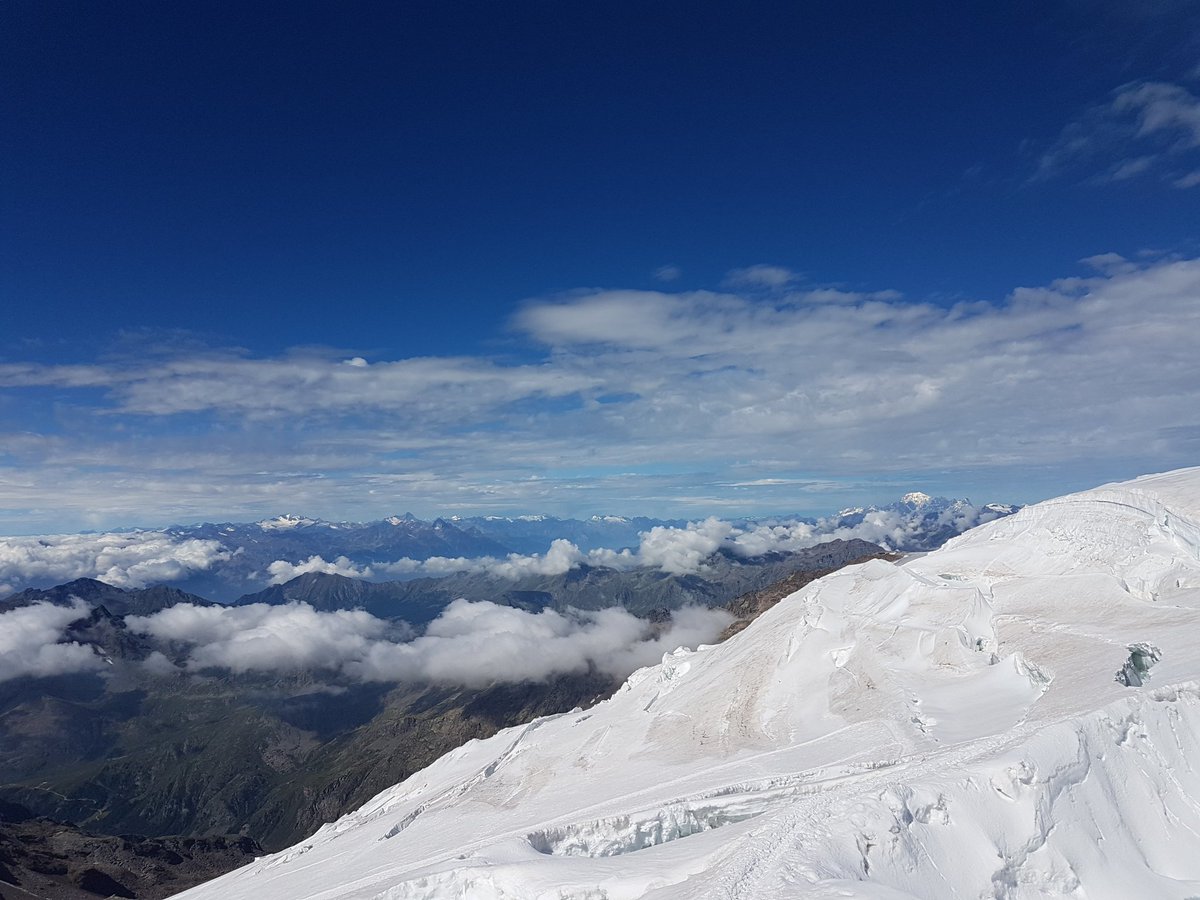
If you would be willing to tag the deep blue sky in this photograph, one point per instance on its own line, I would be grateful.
(399, 180)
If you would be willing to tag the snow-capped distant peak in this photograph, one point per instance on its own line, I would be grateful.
(616, 520)
(286, 521)
(401, 520)
(916, 498)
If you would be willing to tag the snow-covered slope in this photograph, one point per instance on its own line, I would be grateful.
(957, 726)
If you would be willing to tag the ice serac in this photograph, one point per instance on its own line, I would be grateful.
(948, 727)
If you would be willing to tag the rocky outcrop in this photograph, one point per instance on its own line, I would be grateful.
(56, 861)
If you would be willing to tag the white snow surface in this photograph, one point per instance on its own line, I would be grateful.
(952, 726)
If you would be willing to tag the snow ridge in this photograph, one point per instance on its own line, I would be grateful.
(954, 726)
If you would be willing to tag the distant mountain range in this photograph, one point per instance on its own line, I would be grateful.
(641, 591)
(236, 559)
(255, 545)
(534, 534)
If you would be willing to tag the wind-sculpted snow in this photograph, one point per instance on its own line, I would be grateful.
(951, 727)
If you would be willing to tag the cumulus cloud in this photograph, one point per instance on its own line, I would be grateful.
(282, 571)
(261, 637)
(30, 642)
(476, 643)
(680, 551)
(472, 643)
(127, 560)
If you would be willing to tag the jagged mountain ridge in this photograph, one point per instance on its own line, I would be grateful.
(957, 726)
(641, 591)
(254, 546)
(52, 860)
(534, 533)
(224, 561)
(118, 601)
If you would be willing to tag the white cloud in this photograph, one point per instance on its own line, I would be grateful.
(29, 642)
(881, 385)
(269, 388)
(675, 550)
(282, 571)
(469, 643)
(1162, 108)
(476, 643)
(667, 273)
(260, 637)
(1145, 127)
(680, 551)
(760, 276)
(561, 557)
(126, 560)
(646, 401)
(891, 529)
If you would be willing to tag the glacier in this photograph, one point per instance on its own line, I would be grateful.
(954, 725)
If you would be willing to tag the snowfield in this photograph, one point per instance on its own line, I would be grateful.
(968, 724)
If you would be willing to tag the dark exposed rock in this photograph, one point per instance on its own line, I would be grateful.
(116, 601)
(57, 861)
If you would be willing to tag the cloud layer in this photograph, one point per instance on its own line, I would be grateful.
(470, 643)
(260, 637)
(126, 560)
(675, 550)
(771, 396)
(29, 642)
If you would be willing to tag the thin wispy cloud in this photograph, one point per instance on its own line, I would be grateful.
(312, 386)
(1145, 129)
(760, 276)
(668, 403)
